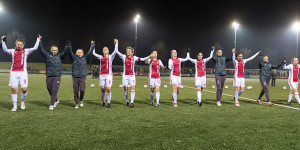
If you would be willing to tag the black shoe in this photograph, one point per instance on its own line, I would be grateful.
(103, 104)
(289, 103)
(200, 104)
(127, 103)
(108, 105)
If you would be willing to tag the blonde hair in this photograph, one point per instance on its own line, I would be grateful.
(293, 59)
(18, 40)
(131, 49)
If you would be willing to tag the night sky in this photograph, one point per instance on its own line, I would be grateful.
(265, 25)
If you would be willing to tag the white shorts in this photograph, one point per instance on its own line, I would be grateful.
(128, 80)
(105, 81)
(200, 81)
(239, 82)
(17, 77)
(154, 82)
(175, 80)
(293, 85)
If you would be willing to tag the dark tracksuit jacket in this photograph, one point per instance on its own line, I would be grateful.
(265, 72)
(79, 73)
(53, 71)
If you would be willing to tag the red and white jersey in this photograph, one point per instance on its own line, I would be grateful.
(19, 57)
(154, 68)
(106, 62)
(175, 65)
(293, 72)
(129, 63)
(239, 65)
(200, 68)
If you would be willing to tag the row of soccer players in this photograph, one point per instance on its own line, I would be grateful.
(19, 73)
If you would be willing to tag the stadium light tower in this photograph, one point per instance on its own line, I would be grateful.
(136, 20)
(296, 27)
(236, 26)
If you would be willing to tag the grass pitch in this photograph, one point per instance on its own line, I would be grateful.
(189, 126)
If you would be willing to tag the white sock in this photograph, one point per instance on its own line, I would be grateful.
(23, 96)
(157, 97)
(126, 95)
(297, 97)
(132, 95)
(290, 98)
(14, 98)
(199, 93)
(152, 96)
(240, 92)
(108, 97)
(175, 96)
(103, 97)
(236, 94)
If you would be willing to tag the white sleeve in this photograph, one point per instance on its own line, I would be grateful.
(287, 66)
(36, 45)
(233, 59)
(160, 63)
(170, 64)
(122, 56)
(115, 51)
(141, 59)
(96, 55)
(194, 61)
(185, 59)
(8, 51)
(252, 57)
(210, 56)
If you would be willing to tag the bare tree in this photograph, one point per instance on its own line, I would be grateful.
(12, 36)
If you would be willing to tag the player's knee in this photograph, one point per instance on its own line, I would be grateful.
(14, 91)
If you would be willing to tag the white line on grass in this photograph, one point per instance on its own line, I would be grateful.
(243, 98)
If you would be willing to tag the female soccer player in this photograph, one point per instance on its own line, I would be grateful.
(18, 72)
(265, 75)
(220, 73)
(128, 78)
(239, 80)
(154, 76)
(106, 75)
(293, 79)
(79, 73)
(175, 74)
(53, 71)
(200, 73)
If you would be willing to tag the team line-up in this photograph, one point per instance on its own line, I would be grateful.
(19, 74)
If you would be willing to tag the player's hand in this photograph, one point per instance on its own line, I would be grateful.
(233, 50)
(213, 47)
(3, 38)
(116, 41)
(92, 41)
(259, 52)
(68, 43)
(188, 50)
(284, 61)
(39, 36)
(151, 56)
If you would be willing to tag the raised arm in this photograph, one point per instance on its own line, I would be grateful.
(8, 51)
(36, 45)
(143, 59)
(44, 53)
(116, 49)
(68, 48)
(73, 56)
(96, 55)
(192, 60)
(277, 66)
(210, 56)
(89, 53)
(285, 66)
(186, 58)
(233, 56)
(252, 57)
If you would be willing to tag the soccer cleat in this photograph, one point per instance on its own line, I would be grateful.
(55, 104)
(258, 101)
(127, 103)
(108, 105)
(157, 105)
(270, 104)
(289, 103)
(14, 109)
(200, 104)
(22, 105)
(51, 107)
(131, 105)
(237, 104)
(175, 104)
(81, 103)
(57, 101)
(103, 104)
(219, 103)
(76, 106)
